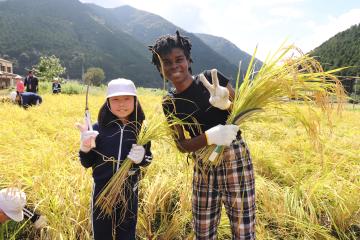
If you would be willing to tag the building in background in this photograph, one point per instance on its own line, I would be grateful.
(7, 77)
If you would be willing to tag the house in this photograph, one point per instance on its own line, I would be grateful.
(6, 74)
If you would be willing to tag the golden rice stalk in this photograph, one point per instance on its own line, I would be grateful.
(5, 99)
(165, 209)
(285, 76)
(154, 129)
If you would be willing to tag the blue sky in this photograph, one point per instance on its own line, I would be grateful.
(246, 23)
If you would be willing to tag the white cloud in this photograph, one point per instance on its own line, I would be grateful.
(267, 3)
(287, 12)
(322, 32)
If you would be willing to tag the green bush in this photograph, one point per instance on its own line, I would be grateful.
(72, 87)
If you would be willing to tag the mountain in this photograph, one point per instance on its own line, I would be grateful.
(71, 31)
(87, 35)
(147, 27)
(229, 51)
(341, 50)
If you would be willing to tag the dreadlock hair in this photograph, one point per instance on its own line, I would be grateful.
(164, 44)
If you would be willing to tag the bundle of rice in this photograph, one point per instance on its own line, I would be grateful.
(285, 76)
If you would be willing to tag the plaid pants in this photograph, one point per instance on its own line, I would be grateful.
(231, 183)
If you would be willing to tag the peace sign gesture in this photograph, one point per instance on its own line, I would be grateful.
(219, 96)
(87, 138)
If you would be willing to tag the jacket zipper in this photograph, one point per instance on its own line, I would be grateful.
(120, 147)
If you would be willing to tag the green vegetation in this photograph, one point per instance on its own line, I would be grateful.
(71, 87)
(71, 31)
(94, 76)
(84, 36)
(341, 50)
(49, 68)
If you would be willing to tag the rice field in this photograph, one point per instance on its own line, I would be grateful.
(302, 191)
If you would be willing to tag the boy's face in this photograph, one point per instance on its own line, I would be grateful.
(122, 106)
(176, 66)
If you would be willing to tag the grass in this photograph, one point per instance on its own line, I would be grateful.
(299, 194)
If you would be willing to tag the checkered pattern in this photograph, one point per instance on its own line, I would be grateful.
(231, 183)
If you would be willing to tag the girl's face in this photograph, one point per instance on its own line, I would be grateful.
(3, 217)
(122, 106)
(176, 66)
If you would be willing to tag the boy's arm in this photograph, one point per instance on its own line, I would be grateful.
(188, 145)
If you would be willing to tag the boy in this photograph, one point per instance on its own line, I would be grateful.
(26, 99)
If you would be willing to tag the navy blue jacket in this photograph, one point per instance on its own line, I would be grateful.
(113, 144)
(29, 98)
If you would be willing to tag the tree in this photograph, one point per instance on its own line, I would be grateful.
(94, 76)
(49, 68)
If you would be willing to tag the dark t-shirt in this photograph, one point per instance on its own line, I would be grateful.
(192, 106)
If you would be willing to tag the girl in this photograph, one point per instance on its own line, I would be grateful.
(20, 88)
(208, 105)
(119, 121)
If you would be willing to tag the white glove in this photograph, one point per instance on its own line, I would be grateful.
(86, 137)
(136, 153)
(41, 222)
(219, 96)
(221, 134)
(85, 141)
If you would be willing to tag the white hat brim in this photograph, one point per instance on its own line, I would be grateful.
(16, 216)
(121, 94)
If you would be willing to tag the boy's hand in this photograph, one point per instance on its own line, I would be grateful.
(219, 96)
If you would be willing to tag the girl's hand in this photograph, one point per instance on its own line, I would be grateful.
(219, 96)
(136, 153)
(86, 137)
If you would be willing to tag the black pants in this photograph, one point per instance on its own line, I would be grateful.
(115, 228)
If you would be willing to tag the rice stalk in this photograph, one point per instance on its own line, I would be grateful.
(165, 210)
(281, 79)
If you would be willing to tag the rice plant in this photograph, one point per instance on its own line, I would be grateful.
(284, 76)
(301, 193)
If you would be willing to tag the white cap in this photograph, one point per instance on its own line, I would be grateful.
(12, 202)
(121, 87)
(13, 96)
(17, 77)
